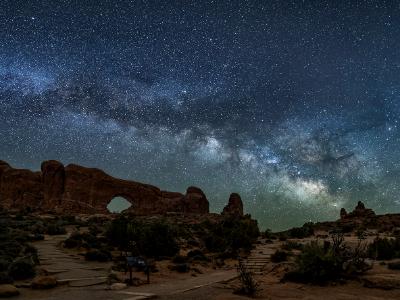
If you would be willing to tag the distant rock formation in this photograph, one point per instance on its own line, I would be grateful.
(343, 213)
(234, 206)
(75, 189)
(359, 212)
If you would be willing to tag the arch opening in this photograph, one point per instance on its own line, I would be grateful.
(118, 204)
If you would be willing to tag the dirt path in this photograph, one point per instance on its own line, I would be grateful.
(69, 267)
(179, 285)
(81, 279)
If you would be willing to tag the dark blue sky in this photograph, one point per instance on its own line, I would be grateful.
(293, 104)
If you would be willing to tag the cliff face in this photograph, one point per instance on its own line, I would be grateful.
(19, 188)
(77, 189)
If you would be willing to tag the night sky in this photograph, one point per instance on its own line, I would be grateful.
(293, 104)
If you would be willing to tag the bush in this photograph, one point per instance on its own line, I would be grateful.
(10, 248)
(31, 252)
(231, 233)
(179, 259)
(316, 265)
(72, 242)
(86, 240)
(302, 232)
(282, 237)
(90, 239)
(55, 229)
(181, 267)
(394, 265)
(36, 237)
(5, 278)
(155, 239)
(98, 255)
(268, 234)
(279, 256)
(68, 219)
(334, 261)
(21, 269)
(249, 286)
(384, 249)
(197, 255)
(292, 245)
(4, 265)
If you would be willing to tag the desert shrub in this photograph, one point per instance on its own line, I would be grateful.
(193, 242)
(384, 249)
(231, 233)
(5, 278)
(86, 240)
(38, 228)
(72, 242)
(268, 234)
(346, 228)
(94, 229)
(55, 229)
(197, 255)
(10, 248)
(180, 267)
(279, 256)
(90, 240)
(31, 252)
(21, 269)
(248, 285)
(282, 237)
(292, 245)
(154, 239)
(68, 219)
(179, 259)
(316, 265)
(158, 239)
(100, 255)
(4, 264)
(321, 263)
(36, 237)
(301, 232)
(394, 265)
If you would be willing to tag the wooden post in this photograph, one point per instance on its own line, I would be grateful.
(148, 274)
(130, 276)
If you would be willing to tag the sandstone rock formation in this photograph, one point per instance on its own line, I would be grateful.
(359, 212)
(19, 188)
(234, 206)
(343, 213)
(76, 189)
(361, 217)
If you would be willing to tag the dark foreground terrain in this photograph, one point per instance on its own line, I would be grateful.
(197, 257)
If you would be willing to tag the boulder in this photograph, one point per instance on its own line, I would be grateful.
(8, 290)
(44, 282)
(234, 206)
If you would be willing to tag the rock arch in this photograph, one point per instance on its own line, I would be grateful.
(75, 189)
(120, 203)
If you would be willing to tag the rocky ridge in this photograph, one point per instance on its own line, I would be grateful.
(75, 189)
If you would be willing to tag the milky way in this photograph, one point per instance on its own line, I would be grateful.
(294, 105)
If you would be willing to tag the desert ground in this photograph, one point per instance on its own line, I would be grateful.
(81, 279)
